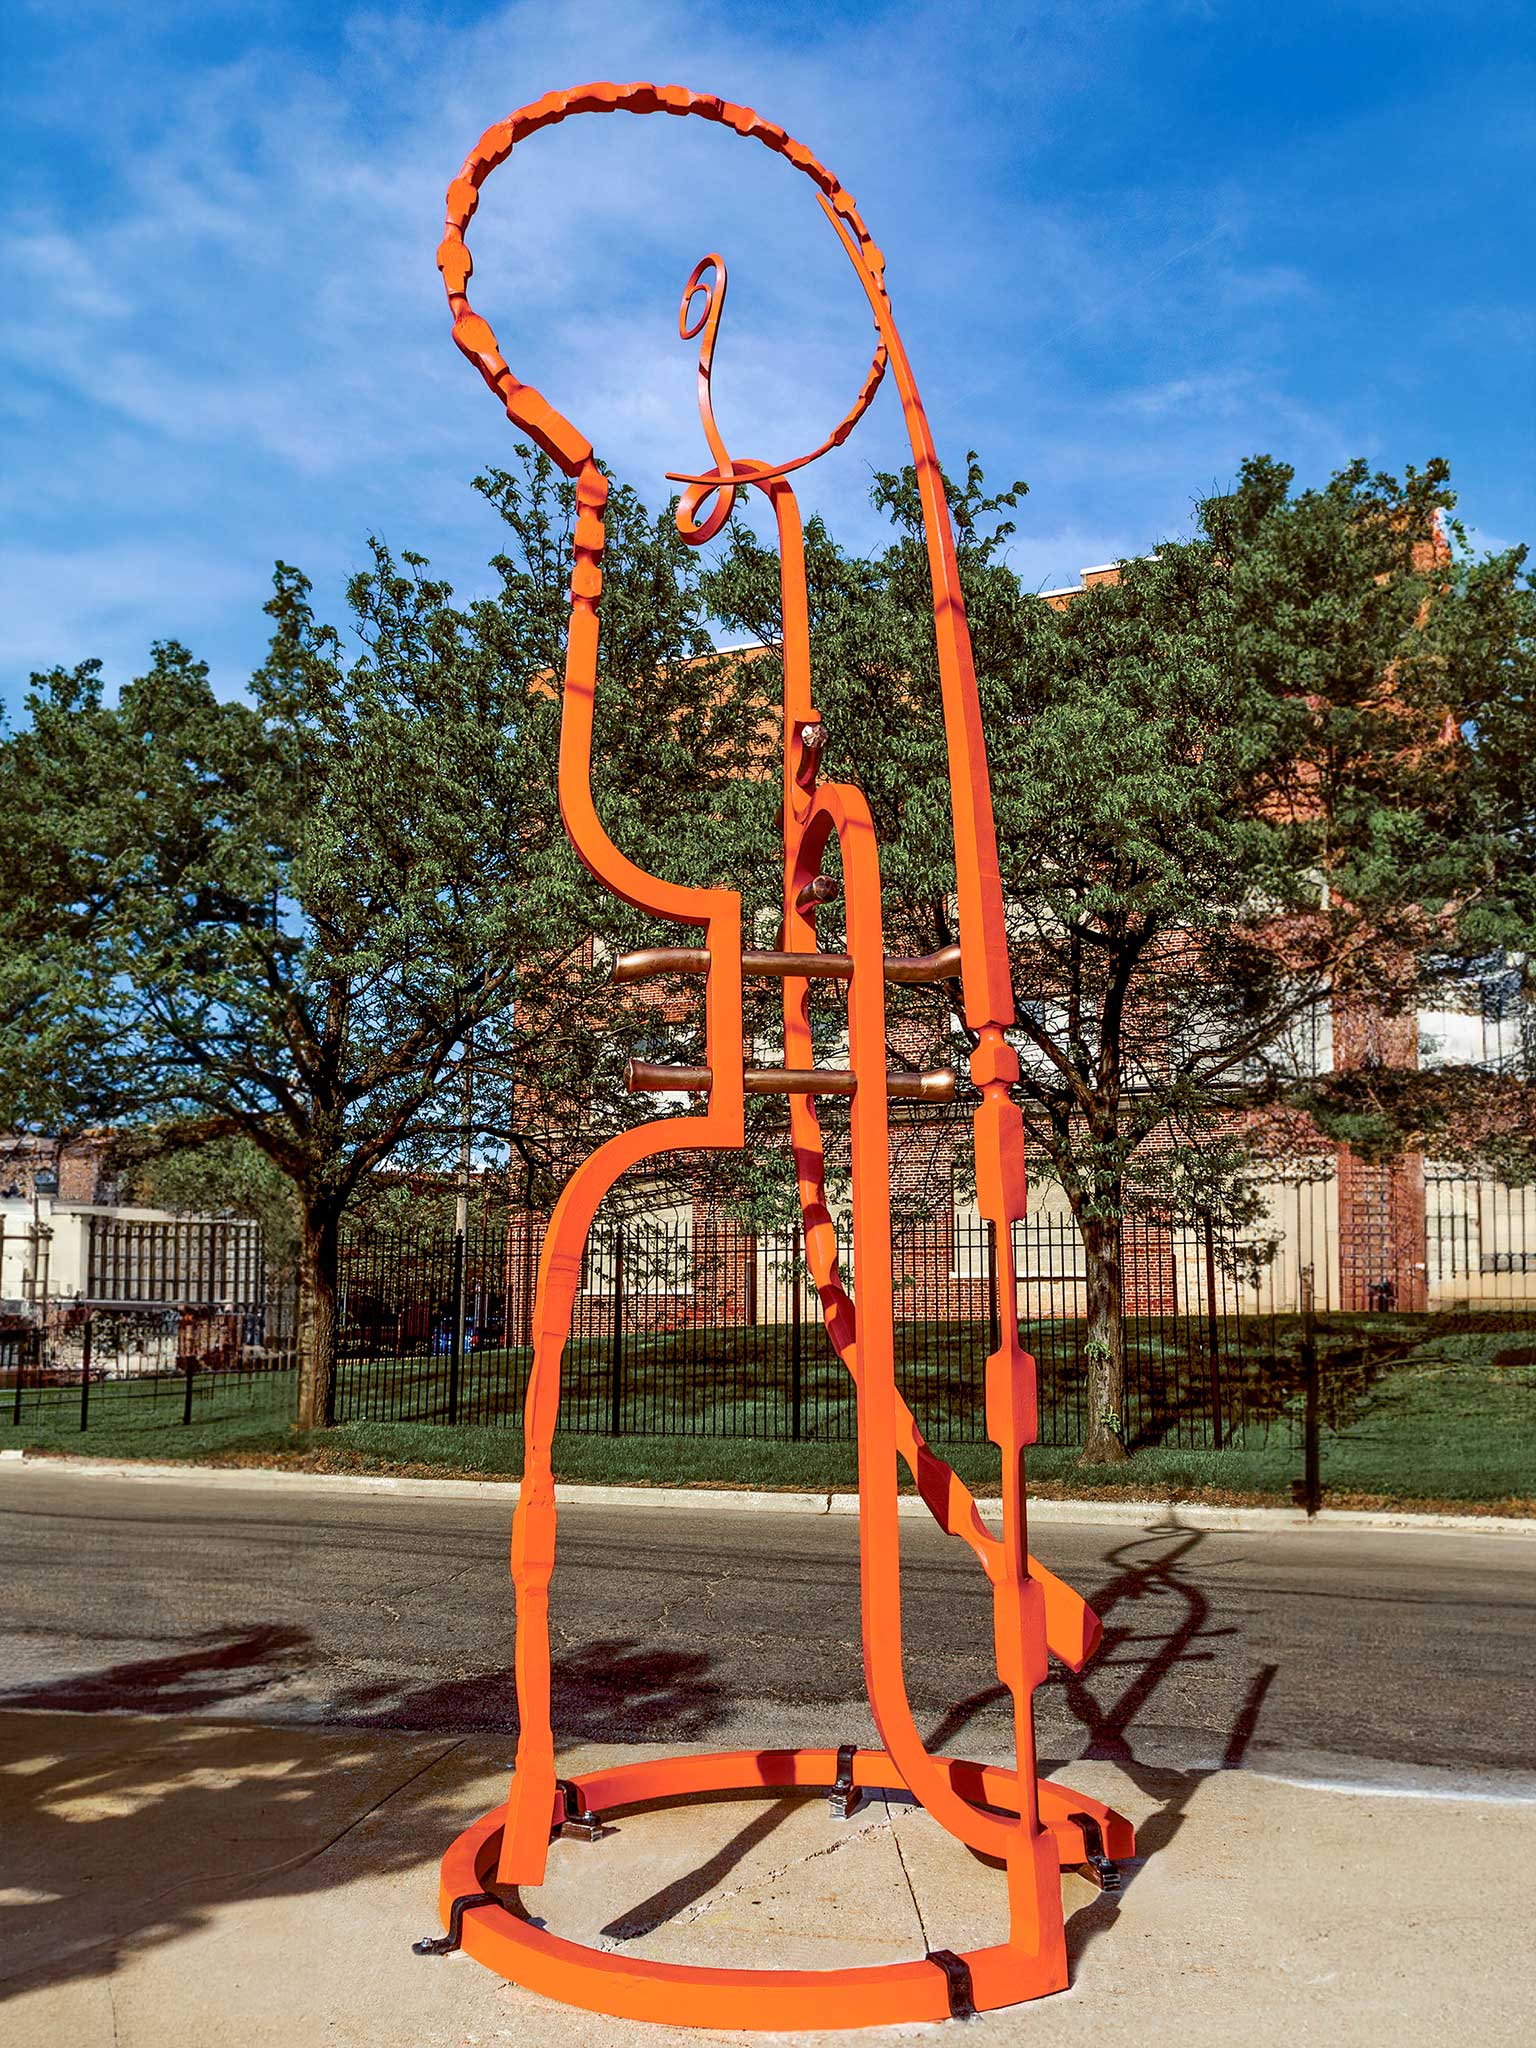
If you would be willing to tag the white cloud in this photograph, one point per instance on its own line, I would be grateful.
(239, 347)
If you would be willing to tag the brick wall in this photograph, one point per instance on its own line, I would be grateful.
(80, 1165)
(1381, 1234)
(83, 1173)
(1381, 1207)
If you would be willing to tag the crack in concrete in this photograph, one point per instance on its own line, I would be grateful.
(906, 1874)
(783, 1869)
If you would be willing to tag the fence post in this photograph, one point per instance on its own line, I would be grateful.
(23, 1338)
(456, 1338)
(1213, 1337)
(616, 1377)
(1311, 1485)
(794, 1334)
(994, 1320)
(186, 1399)
(85, 1371)
(16, 1416)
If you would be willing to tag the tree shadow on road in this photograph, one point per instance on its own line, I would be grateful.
(219, 1667)
(611, 1689)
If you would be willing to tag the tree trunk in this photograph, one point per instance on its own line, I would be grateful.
(1105, 1345)
(319, 1265)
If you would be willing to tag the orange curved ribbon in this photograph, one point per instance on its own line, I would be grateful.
(1033, 1611)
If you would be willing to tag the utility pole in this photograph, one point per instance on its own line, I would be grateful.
(461, 1199)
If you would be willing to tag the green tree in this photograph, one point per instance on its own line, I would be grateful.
(225, 1175)
(1480, 1114)
(1222, 794)
(280, 919)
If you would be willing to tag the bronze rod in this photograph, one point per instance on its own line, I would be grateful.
(934, 1084)
(922, 967)
(653, 960)
(780, 966)
(821, 889)
(839, 966)
(798, 1081)
(641, 1077)
(650, 961)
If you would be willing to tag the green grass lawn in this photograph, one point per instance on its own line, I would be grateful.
(1450, 1418)
(244, 1413)
(741, 1382)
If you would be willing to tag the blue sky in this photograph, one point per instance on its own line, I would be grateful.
(1127, 243)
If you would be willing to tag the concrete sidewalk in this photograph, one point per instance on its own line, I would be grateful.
(170, 1882)
(1133, 1513)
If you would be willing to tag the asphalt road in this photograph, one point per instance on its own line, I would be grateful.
(1374, 1658)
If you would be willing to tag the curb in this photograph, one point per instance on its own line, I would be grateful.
(1141, 1514)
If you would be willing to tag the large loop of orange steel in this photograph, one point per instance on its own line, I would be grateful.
(1031, 1827)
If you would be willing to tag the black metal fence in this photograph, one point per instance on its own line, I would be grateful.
(699, 1327)
(168, 1319)
(71, 1373)
(703, 1328)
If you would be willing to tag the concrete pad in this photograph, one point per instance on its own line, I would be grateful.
(231, 1886)
(783, 1887)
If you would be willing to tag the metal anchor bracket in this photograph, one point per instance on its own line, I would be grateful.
(1098, 1866)
(445, 1944)
(957, 1976)
(580, 1824)
(845, 1797)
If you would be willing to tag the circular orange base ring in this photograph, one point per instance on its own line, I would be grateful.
(679, 1994)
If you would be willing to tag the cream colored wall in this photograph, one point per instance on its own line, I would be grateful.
(1300, 1216)
(1481, 1241)
(59, 1258)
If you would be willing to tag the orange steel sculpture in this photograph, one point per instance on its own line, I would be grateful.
(1032, 1827)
